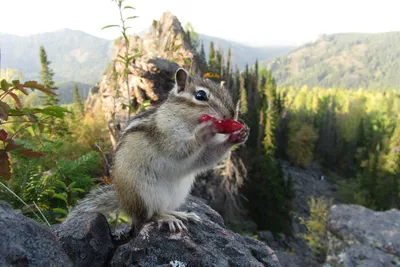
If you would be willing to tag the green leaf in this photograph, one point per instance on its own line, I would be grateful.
(79, 190)
(129, 7)
(59, 210)
(61, 183)
(59, 196)
(110, 26)
(16, 82)
(30, 131)
(132, 17)
(122, 57)
(71, 185)
(4, 85)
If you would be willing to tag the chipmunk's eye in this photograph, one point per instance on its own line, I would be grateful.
(201, 95)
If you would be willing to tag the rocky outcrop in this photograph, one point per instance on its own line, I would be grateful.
(362, 237)
(207, 243)
(290, 250)
(88, 241)
(159, 53)
(24, 242)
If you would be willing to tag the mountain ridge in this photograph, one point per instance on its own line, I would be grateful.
(347, 60)
(81, 57)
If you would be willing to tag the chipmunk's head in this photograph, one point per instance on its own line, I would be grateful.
(197, 96)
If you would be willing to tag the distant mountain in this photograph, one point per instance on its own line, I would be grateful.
(74, 55)
(350, 60)
(81, 57)
(244, 54)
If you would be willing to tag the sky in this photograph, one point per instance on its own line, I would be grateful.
(257, 23)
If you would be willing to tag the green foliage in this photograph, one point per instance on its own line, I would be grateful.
(40, 169)
(270, 195)
(317, 234)
(193, 37)
(351, 60)
(353, 133)
(301, 143)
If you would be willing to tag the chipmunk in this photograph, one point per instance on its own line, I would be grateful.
(160, 152)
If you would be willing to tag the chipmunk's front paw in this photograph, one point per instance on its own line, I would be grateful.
(239, 136)
(205, 131)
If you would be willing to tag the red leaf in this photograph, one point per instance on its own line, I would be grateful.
(16, 99)
(5, 166)
(38, 86)
(3, 135)
(31, 154)
(11, 145)
(4, 108)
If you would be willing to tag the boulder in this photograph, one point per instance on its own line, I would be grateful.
(24, 242)
(87, 240)
(362, 237)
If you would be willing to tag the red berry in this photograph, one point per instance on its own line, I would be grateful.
(225, 126)
(230, 126)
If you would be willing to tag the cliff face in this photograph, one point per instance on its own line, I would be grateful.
(151, 74)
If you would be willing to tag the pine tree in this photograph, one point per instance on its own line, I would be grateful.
(211, 58)
(77, 99)
(243, 97)
(228, 70)
(271, 115)
(203, 59)
(46, 77)
(393, 158)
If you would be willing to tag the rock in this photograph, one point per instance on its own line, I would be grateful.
(362, 237)
(162, 51)
(290, 250)
(87, 240)
(205, 244)
(24, 242)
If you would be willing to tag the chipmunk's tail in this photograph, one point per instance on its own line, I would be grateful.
(102, 199)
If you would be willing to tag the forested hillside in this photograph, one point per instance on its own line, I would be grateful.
(349, 60)
(351, 132)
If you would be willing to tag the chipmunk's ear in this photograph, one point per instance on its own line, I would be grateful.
(181, 78)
